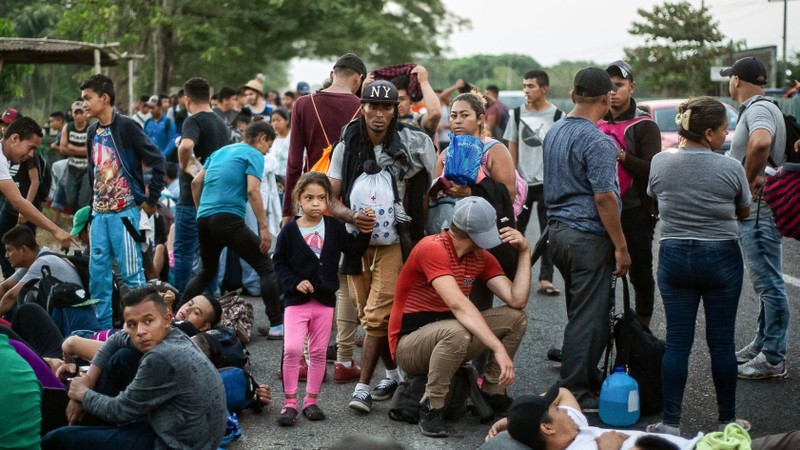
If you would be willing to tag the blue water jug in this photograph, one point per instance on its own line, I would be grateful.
(619, 399)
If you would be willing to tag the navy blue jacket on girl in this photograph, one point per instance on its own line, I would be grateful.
(294, 261)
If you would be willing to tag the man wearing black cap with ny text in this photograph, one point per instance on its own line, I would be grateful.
(638, 139)
(760, 139)
(586, 239)
(317, 121)
(377, 139)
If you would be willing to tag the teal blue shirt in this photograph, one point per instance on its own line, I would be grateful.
(225, 183)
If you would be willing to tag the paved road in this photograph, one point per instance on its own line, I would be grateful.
(770, 405)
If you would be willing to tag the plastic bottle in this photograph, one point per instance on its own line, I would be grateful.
(619, 399)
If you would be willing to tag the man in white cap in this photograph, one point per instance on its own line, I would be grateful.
(434, 327)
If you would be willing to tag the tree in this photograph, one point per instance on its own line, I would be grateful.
(10, 75)
(681, 43)
(504, 70)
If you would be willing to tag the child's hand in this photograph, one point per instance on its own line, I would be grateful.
(305, 287)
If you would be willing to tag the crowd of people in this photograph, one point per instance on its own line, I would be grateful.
(403, 212)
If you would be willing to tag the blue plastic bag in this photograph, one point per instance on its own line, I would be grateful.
(463, 159)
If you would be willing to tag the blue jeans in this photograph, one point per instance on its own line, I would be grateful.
(111, 241)
(762, 252)
(689, 270)
(75, 318)
(186, 246)
(133, 436)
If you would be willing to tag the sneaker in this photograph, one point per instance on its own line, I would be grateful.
(759, 368)
(747, 353)
(313, 412)
(498, 402)
(342, 374)
(663, 428)
(361, 401)
(287, 417)
(330, 354)
(275, 333)
(384, 390)
(430, 421)
(589, 403)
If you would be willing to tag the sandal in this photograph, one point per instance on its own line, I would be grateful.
(550, 290)
(313, 412)
(287, 417)
(745, 424)
(663, 428)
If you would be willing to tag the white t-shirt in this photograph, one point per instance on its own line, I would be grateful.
(535, 125)
(4, 165)
(585, 440)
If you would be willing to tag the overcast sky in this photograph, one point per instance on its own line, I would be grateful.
(555, 30)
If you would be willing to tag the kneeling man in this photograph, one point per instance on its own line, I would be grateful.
(175, 400)
(434, 328)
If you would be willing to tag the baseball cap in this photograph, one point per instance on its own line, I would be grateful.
(303, 88)
(476, 217)
(620, 69)
(525, 416)
(79, 220)
(380, 91)
(10, 116)
(152, 101)
(749, 69)
(353, 62)
(77, 106)
(592, 82)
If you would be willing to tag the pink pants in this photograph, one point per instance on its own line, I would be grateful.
(314, 320)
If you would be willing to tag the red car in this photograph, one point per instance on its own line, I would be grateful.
(663, 113)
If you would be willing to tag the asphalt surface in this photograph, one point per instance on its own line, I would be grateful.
(771, 405)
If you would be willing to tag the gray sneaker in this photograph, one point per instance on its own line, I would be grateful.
(747, 353)
(759, 368)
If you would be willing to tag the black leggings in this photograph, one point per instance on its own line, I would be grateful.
(218, 231)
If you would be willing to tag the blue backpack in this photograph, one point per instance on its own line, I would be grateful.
(240, 389)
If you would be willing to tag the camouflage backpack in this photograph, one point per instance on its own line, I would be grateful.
(237, 314)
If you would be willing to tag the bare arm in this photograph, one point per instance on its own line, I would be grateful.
(10, 290)
(68, 149)
(513, 149)
(468, 315)
(364, 221)
(25, 208)
(743, 213)
(606, 203)
(185, 150)
(197, 187)
(33, 189)
(756, 157)
(431, 99)
(501, 167)
(78, 347)
(514, 294)
(254, 196)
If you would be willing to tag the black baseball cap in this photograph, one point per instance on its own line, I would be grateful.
(593, 82)
(749, 69)
(353, 62)
(525, 416)
(380, 91)
(620, 69)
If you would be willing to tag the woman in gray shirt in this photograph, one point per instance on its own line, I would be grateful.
(700, 195)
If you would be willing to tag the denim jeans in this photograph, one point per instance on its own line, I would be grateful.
(111, 241)
(689, 270)
(228, 230)
(134, 436)
(762, 252)
(186, 244)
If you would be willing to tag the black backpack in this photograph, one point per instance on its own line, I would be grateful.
(45, 179)
(463, 396)
(640, 352)
(48, 291)
(226, 349)
(792, 133)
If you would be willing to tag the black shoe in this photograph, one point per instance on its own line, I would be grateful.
(589, 403)
(361, 401)
(330, 354)
(313, 412)
(498, 402)
(431, 423)
(287, 417)
(554, 354)
(384, 390)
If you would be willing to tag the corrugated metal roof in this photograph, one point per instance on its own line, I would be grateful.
(52, 51)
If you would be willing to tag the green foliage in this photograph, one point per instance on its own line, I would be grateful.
(504, 70)
(10, 75)
(681, 43)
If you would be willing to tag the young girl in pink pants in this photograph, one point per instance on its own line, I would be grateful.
(306, 261)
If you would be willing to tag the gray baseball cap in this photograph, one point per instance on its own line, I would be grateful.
(476, 217)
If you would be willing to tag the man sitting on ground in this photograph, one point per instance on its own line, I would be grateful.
(434, 328)
(176, 398)
(24, 254)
